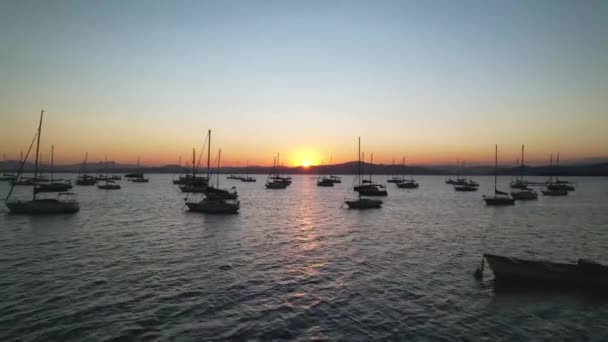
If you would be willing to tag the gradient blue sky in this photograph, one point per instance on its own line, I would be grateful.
(435, 80)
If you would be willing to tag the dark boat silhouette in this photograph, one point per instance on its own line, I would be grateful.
(585, 274)
(525, 193)
(63, 203)
(500, 197)
(363, 203)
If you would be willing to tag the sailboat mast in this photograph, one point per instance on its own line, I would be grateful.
(522, 163)
(193, 165)
(37, 151)
(219, 156)
(208, 156)
(557, 169)
(551, 168)
(495, 168)
(371, 163)
(403, 167)
(52, 161)
(359, 162)
(86, 160)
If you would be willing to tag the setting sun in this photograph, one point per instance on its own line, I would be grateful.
(305, 163)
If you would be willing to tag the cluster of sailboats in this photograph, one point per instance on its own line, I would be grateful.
(219, 200)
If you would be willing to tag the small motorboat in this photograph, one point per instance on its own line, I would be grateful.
(86, 180)
(524, 194)
(395, 179)
(324, 182)
(558, 192)
(538, 273)
(560, 186)
(140, 180)
(276, 185)
(214, 206)
(465, 188)
(371, 189)
(248, 179)
(363, 203)
(109, 185)
(408, 184)
(335, 179)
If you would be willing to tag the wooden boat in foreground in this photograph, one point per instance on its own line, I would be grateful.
(584, 274)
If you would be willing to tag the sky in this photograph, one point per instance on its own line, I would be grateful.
(434, 81)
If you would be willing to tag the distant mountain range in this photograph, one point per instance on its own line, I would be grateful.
(592, 169)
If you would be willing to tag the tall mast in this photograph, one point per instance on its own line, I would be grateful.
(359, 163)
(138, 168)
(495, 168)
(551, 168)
(219, 156)
(371, 163)
(193, 165)
(86, 159)
(209, 156)
(522, 162)
(37, 151)
(52, 161)
(403, 167)
(557, 169)
(278, 163)
(247, 169)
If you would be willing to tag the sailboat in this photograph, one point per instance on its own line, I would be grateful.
(215, 192)
(462, 184)
(407, 183)
(323, 180)
(394, 178)
(139, 177)
(84, 178)
(109, 183)
(370, 188)
(247, 178)
(500, 197)
(361, 203)
(216, 201)
(334, 179)
(524, 193)
(114, 176)
(274, 181)
(553, 188)
(36, 206)
(193, 183)
(277, 179)
(54, 185)
(559, 185)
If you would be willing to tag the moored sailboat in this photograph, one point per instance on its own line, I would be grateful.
(361, 203)
(500, 197)
(54, 185)
(525, 193)
(40, 206)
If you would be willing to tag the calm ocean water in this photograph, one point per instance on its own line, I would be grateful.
(134, 265)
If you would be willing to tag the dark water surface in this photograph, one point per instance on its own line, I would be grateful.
(133, 265)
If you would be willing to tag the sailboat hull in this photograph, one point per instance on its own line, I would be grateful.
(364, 203)
(499, 201)
(43, 207)
(214, 207)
